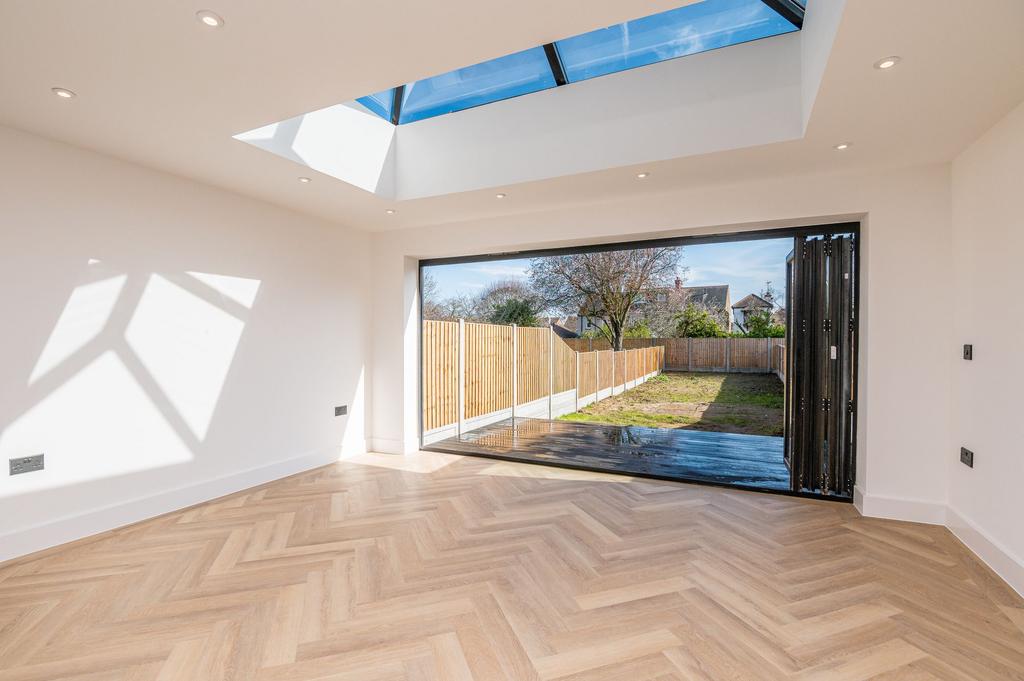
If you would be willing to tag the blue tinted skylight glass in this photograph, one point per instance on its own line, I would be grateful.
(379, 103)
(501, 78)
(694, 28)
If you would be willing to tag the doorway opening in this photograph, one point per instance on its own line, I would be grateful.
(727, 359)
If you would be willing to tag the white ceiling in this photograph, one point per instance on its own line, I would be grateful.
(157, 88)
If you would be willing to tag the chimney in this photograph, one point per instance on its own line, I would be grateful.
(679, 283)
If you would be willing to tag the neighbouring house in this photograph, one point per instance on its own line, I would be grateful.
(715, 299)
(565, 327)
(673, 299)
(747, 306)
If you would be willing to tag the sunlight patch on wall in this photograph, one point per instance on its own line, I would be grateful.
(86, 313)
(187, 345)
(99, 424)
(239, 289)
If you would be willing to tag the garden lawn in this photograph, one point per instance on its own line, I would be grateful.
(751, 404)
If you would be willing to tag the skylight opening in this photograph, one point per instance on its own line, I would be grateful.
(510, 76)
(687, 30)
(676, 33)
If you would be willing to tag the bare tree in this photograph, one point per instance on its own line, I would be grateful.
(501, 293)
(451, 309)
(605, 285)
(429, 291)
(430, 296)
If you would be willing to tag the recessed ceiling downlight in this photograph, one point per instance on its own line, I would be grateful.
(842, 146)
(208, 18)
(642, 176)
(500, 195)
(63, 93)
(887, 63)
(390, 211)
(305, 180)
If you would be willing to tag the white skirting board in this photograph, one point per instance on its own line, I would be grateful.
(894, 508)
(70, 528)
(1004, 563)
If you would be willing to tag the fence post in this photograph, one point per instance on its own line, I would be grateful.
(576, 356)
(768, 353)
(462, 374)
(597, 375)
(551, 372)
(615, 363)
(728, 347)
(689, 354)
(515, 371)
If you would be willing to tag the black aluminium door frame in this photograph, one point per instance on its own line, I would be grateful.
(825, 229)
(822, 340)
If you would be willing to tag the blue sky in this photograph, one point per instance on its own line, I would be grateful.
(744, 265)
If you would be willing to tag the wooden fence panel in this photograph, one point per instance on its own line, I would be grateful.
(654, 355)
(749, 354)
(534, 367)
(779, 358)
(565, 366)
(588, 373)
(488, 369)
(606, 359)
(707, 353)
(543, 361)
(676, 355)
(588, 344)
(440, 374)
(579, 344)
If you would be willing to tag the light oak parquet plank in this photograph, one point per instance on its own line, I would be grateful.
(437, 567)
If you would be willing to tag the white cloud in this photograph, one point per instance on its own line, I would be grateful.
(501, 270)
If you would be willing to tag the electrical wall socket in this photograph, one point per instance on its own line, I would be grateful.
(967, 457)
(341, 411)
(968, 351)
(26, 464)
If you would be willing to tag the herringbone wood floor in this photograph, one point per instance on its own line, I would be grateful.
(439, 567)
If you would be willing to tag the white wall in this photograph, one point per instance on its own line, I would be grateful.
(163, 342)
(904, 377)
(986, 504)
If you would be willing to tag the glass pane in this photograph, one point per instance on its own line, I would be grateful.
(379, 103)
(516, 74)
(694, 28)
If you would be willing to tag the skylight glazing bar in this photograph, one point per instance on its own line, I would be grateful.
(555, 62)
(396, 105)
(791, 10)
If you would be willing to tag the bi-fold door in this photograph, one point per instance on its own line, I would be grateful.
(821, 361)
